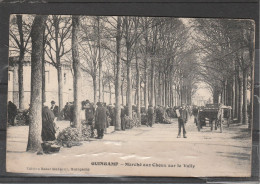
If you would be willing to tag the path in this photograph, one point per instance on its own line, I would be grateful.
(210, 153)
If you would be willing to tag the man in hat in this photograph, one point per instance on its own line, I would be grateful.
(48, 127)
(54, 108)
(182, 115)
(12, 112)
(100, 120)
(90, 114)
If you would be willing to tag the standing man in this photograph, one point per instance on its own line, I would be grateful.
(90, 111)
(182, 115)
(100, 120)
(48, 127)
(54, 109)
(12, 112)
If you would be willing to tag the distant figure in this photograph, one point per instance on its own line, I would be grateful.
(54, 109)
(195, 112)
(150, 115)
(12, 112)
(108, 115)
(90, 114)
(112, 114)
(182, 115)
(48, 127)
(66, 111)
(26, 115)
(100, 120)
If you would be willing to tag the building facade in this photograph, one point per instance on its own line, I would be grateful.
(51, 84)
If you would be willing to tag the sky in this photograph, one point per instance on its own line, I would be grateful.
(203, 91)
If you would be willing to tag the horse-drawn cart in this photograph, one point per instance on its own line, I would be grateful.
(213, 113)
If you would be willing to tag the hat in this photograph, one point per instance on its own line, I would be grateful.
(52, 102)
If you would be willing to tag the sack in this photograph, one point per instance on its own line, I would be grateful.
(178, 113)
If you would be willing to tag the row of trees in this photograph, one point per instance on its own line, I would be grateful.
(150, 60)
(227, 52)
(143, 55)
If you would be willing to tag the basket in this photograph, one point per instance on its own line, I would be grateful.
(50, 147)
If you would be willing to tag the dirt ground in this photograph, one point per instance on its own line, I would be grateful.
(142, 151)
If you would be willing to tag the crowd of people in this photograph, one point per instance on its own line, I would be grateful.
(102, 116)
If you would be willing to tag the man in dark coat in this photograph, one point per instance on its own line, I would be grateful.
(12, 112)
(100, 120)
(66, 111)
(90, 114)
(54, 109)
(108, 114)
(182, 114)
(112, 114)
(48, 129)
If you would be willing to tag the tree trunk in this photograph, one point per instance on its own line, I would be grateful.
(252, 62)
(60, 84)
(215, 95)
(245, 117)
(122, 93)
(234, 104)
(100, 73)
(43, 69)
(95, 88)
(21, 60)
(76, 69)
(58, 62)
(110, 93)
(171, 92)
(229, 92)
(118, 76)
(35, 113)
(146, 86)
(146, 66)
(165, 90)
(159, 90)
(138, 90)
(240, 102)
(43, 81)
(129, 84)
(20, 81)
(152, 84)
